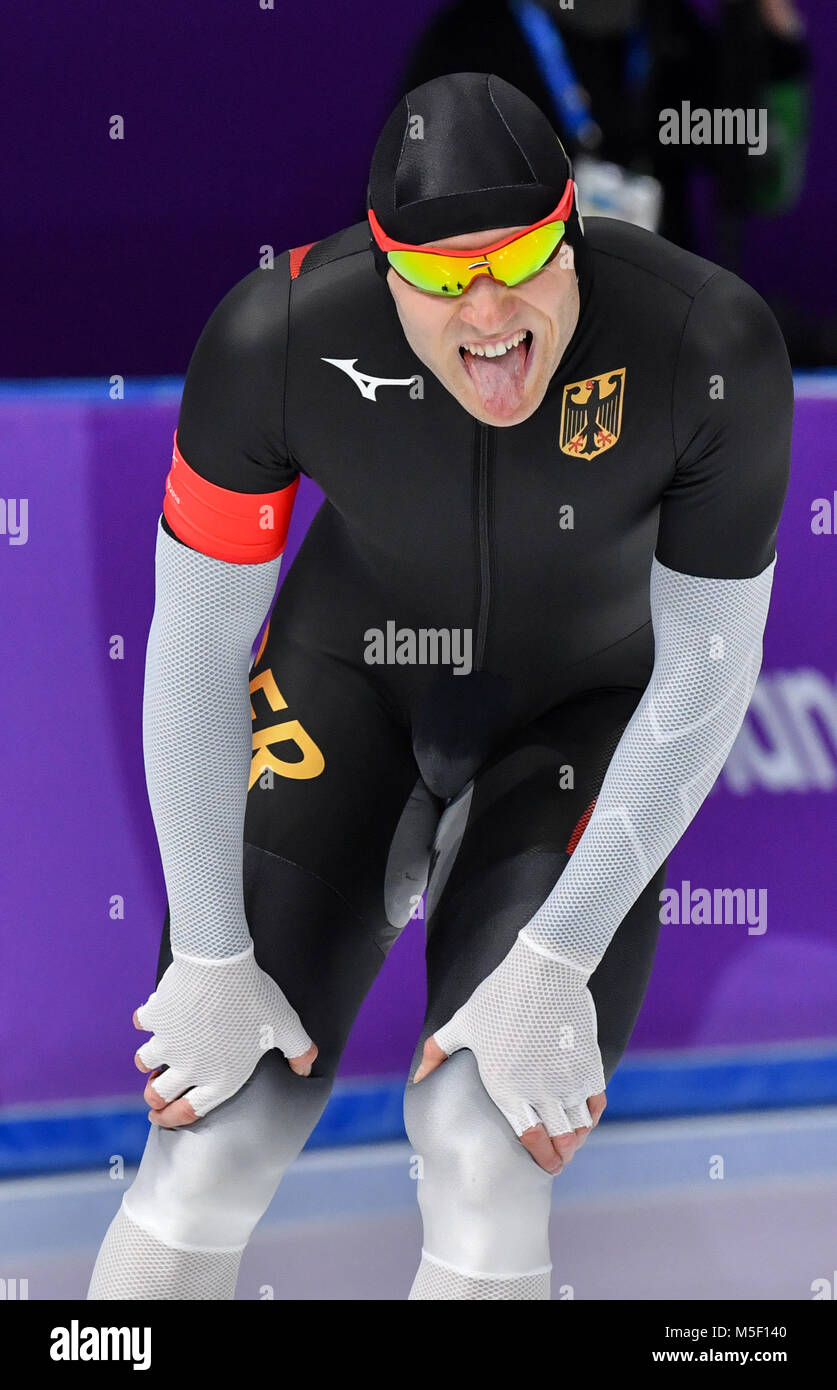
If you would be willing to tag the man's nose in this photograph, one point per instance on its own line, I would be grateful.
(485, 301)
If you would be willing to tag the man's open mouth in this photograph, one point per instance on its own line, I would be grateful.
(493, 351)
(498, 370)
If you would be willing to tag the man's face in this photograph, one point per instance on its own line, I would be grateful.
(506, 388)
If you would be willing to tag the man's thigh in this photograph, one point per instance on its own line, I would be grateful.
(331, 774)
(501, 850)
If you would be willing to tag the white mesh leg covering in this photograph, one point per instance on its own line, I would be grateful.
(200, 1190)
(436, 1280)
(484, 1202)
(133, 1264)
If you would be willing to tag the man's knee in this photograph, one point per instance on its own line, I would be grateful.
(459, 1133)
(207, 1184)
(485, 1202)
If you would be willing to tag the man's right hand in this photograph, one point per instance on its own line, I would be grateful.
(212, 1020)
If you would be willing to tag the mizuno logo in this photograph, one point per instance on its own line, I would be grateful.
(366, 384)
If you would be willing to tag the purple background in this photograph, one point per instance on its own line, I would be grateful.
(246, 127)
(75, 824)
(242, 127)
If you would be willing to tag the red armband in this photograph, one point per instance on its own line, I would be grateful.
(246, 528)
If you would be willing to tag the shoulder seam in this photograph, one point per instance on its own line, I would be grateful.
(292, 280)
(674, 376)
(360, 251)
(690, 294)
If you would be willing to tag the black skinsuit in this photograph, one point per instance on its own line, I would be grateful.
(435, 520)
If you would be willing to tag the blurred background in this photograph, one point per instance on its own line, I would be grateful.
(150, 154)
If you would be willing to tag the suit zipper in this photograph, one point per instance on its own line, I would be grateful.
(483, 492)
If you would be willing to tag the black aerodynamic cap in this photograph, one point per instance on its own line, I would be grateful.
(465, 152)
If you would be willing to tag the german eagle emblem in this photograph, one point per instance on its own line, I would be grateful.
(591, 414)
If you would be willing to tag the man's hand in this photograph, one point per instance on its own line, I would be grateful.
(531, 1025)
(212, 1019)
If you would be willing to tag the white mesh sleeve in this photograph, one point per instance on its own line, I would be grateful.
(531, 1023)
(708, 636)
(197, 736)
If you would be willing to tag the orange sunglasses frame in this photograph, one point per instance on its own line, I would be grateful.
(386, 243)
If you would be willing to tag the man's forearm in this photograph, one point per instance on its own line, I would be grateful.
(197, 736)
(708, 635)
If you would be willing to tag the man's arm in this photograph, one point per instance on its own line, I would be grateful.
(708, 640)
(226, 512)
(710, 590)
(196, 709)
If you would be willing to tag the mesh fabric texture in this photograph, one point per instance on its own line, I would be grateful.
(708, 636)
(197, 736)
(531, 1025)
(212, 1020)
(134, 1265)
(438, 1281)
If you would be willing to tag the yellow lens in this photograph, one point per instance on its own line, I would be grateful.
(445, 275)
(527, 255)
(450, 275)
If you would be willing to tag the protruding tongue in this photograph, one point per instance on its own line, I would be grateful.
(499, 380)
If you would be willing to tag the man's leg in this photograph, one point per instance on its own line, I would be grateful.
(501, 848)
(317, 849)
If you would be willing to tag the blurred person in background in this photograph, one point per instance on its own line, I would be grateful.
(604, 70)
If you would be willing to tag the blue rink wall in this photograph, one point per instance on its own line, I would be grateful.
(738, 1016)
